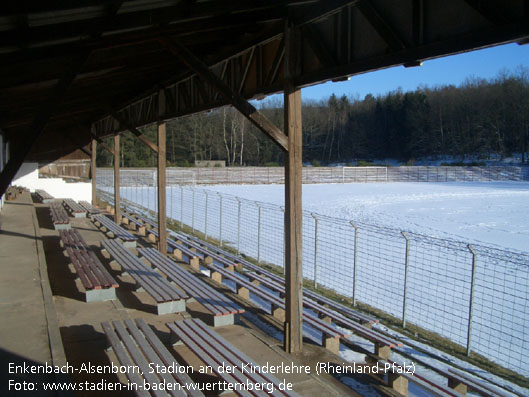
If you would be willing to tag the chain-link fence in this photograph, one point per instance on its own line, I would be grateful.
(270, 175)
(473, 295)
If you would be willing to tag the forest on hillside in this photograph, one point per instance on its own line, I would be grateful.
(476, 119)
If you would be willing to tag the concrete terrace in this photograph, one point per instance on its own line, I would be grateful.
(45, 318)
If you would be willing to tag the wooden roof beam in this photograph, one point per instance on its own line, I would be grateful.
(318, 46)
(241, 104)
(142, 138)
(491, 13)
(39, 123)
(278, 58)
(382, 27)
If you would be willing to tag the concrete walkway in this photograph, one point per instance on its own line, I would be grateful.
(39, 316)
(28, 332)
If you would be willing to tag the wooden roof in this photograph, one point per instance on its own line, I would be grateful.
(67, 66)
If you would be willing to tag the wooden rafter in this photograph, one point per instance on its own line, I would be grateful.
(243, 106)
(383, 28)
(319, 47)
(246, 69)
(142, 138)
(278, 58)
(493, 14)
(39, 123)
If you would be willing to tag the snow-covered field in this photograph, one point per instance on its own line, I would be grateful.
(370, 263)
(489, 213)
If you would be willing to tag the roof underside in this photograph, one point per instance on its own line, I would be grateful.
(81, 61)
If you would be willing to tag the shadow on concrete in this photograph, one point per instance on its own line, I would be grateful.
(44, 218)
(62, 279)
(28, 236)
(85, 348)
(9, 202)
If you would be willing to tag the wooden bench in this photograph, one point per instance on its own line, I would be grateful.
(136, 346)
(43, 196)
(98, 284)
(217, 352)
(133, 223)
(398, 377)
(148, 223)
(89, 208)
(383, 344)
(462, 382)
(73, 208)
(237, 260)
(59, 216)
(114, 231)
(168, 298)
(222, 309)
(330, 335)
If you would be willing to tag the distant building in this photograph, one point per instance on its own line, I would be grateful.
(210, 163)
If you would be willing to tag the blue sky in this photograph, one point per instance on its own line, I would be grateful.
(454, 69)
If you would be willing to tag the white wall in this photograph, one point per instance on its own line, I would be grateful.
(28, 176)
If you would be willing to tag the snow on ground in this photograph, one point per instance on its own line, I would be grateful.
(488, 213)
(491, 213)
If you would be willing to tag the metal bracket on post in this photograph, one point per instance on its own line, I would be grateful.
(238, 225)
(315, 249)
(471, 300)
(354, 260)
(406, 263)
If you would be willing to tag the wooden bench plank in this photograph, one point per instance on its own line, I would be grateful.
(209, 346)
(151, 357)
(99, 285)
(168, 298)
(123, 357)
(165, 356)
(90, 209)
(116, 230)
(215, 302)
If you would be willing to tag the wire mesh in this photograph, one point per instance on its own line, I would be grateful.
(436, 293)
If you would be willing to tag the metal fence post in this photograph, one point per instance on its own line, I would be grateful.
(238, 225)
(471, 300)
(315, 250)
(193, 212)
(220, 219)
(354, 261)
(258, 233)
(206, 218)
(406, 263)
(171, 216)
(181, 207)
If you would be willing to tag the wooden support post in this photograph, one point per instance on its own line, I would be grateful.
(243, 292)
(398, 383)
(216, 276)
(278, 312)
(194, 263)
(93, 168)
(117, 213)
(293, 215)
(331, 343)
(162, 213)
(382, 351)
(458, 386)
